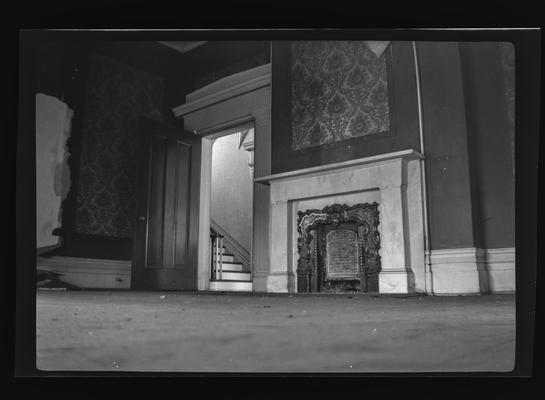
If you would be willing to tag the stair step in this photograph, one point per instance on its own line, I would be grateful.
(231, 286)
(232, 266)
(235, 276)
(227, 258)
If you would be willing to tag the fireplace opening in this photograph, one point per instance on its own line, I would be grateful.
(338, 249)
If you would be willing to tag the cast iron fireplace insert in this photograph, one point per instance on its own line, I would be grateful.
(338, 249)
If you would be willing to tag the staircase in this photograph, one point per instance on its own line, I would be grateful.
(227, 274)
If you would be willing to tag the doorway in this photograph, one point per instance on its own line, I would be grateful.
(229, 105)
(231, 210)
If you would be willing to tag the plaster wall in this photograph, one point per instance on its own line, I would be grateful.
(232, 189)
(450, 207)
(490, 144)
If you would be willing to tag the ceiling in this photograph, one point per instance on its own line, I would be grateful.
(182, 47)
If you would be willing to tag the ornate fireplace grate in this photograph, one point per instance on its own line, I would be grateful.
(338, 249)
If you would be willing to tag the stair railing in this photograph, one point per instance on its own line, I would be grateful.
(217, 254)
(232, 245)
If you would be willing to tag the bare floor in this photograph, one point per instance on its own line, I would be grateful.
(214, 332)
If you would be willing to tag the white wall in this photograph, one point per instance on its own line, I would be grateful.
(231, 200)
(53, 124)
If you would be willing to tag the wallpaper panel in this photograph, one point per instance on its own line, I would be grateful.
(339, 92)
(116, 96)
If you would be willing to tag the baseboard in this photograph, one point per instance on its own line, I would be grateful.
(89, 273)
(500, 264)
(396, 281)
(259, 283)
(45, 249)
(459, 271)
(471, 271)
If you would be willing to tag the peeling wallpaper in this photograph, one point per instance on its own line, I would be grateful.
(53, 128)
(339, 92)
(116, 96)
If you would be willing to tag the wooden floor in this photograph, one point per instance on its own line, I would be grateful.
(173, 331)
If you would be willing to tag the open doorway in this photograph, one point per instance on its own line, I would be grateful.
(231, 211)
(230, 105)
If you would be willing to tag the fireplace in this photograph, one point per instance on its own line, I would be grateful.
(391, 180)
(338, 249)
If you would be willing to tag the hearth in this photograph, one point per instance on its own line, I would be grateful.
(338, 249)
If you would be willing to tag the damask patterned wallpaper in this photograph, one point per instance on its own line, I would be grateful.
(339, 92)
(117, 94)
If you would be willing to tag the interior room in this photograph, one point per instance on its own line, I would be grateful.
(195, 173)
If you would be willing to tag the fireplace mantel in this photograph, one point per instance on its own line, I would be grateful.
(393, 180)
(403, 154)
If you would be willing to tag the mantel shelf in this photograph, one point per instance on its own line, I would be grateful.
(406, 154)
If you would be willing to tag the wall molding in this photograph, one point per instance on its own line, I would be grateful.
(472, 270)
(328, 168)
(224, 89)
(500, 264)
(458, 271)
(89, 273)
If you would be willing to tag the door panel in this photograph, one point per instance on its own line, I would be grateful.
(183, 171)
(165, 243)
(156, 202)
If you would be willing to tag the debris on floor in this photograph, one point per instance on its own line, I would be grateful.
(47, 280)
(333, 334)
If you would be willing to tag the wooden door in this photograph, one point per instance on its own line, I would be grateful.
(166, 234)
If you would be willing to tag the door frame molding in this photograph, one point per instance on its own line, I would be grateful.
(221, 108)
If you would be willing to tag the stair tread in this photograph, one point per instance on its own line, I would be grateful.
(232, 276)
(231, 286)
(235, 272)
(229, 271)
(227, 280)
(231, 267)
